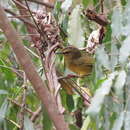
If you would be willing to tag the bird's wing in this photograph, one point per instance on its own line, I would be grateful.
(86, 60)
(80, 62)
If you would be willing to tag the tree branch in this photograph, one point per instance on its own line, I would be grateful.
(42, 3)
(22, 19)
(31, 73)
(36, 114)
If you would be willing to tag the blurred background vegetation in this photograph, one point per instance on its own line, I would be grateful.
(108, 83)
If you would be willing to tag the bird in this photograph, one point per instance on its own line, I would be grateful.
(77, 62)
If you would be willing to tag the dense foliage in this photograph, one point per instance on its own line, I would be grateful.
(108, 84)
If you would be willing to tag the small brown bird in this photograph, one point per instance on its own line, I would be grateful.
(80, 63)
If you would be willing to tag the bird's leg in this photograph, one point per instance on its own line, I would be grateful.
(73, 76)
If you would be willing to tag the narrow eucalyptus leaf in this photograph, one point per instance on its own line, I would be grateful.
(120, 82)
(124, 50)
(126, 20)
(86, 123)
(75, 30)
(121, 21)
(127, 120)
(70, 102)
(102, 57)
(3, 92)
(116, 24)
(66, 5)
(28, 125)
(100, 94)
(3, 110)
(119, 122)
(114, 56)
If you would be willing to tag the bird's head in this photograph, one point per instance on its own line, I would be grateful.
(70, 52)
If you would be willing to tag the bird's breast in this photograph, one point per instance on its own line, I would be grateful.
(77, 67)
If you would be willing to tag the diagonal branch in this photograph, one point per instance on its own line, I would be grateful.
(26, 109)
(31, 73)
(43, 3)
(22, 19)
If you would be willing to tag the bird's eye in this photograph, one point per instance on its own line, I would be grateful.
(66, 52)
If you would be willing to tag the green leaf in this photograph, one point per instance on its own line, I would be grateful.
(9, 75)
(5, 51)
(57, 9)
(28, 125)
(3, 92)
(63, 98)
(73, 127)
(70, 102)
(124, 50)
(64, 24)
(123, 2)
(95, 2)
(66, 5)
(3, 110)
(100, 94)
(85, 2)
(75, 30)
(15, 23)
(78, 102)
(119, 122)
(108, 34)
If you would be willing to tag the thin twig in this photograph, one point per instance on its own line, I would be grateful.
(102, 7)
(42, 35)
(68, 77)
(36, 114)
(19, 105)
(22, 6)
(49, 5)
(22, 112)
(78, 116)
(37, 26)
(14, 70)
(17, 125)
(33, 53)
(98, 18)
(22, 19)
(32, 16)
(19, 16)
